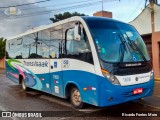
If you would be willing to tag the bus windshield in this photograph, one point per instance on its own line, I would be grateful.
(117, 42)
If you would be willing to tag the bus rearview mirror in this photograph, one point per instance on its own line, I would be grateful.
(77, 33)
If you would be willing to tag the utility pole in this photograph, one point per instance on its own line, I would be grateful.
(152, 14)
(154, 1)
(29, 50)
(102, 8)
(36, 41)
(155, 48)
(102, 5)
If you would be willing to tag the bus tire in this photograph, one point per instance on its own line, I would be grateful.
(75, 98)
(24, 87)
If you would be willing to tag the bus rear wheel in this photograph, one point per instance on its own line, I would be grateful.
(24, 87)
(75, 98)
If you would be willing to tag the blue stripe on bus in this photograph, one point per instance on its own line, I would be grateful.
(104, 94)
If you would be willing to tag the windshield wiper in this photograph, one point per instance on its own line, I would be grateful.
(133, 45)
(122, 50)
(123, 42)
(121, 53)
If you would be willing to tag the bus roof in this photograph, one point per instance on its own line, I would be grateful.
(99, 18)
(75, 18)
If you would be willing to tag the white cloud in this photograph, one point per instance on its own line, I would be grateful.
(124, 10)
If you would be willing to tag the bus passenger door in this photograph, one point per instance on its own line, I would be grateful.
(55, 63)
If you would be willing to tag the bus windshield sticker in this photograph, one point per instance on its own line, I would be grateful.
(134, 57)
(56, 77)
(56, 88)
(47, 85)
(66, 64)
(55, 64)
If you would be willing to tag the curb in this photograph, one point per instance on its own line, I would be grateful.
(157, 79)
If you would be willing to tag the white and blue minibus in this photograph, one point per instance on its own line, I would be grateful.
(94, 60)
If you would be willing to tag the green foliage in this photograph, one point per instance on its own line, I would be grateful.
(65, 15)
(2, 47)
(34, 55)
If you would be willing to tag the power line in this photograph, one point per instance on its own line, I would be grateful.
(68, 3)
(70, 7)
(56, 10)
(65, 4)
(56, 5)
(48, 6)
(134, 10)
(25, 4)
(25, 9)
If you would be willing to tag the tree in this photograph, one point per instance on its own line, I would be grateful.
(34, 55)
(2, 47)
(65, 15)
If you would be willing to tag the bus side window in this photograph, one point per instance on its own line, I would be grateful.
(78, 49)
(19, 41)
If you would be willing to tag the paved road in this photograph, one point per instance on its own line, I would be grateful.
(12, 98)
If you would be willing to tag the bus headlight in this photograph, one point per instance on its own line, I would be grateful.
(151, 75)
(112, 78)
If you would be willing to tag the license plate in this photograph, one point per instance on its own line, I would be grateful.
(138, 91)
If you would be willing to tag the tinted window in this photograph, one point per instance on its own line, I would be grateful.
(14, 49)
(78, 49)
(114, 41)
(56, 42)
(44, 43)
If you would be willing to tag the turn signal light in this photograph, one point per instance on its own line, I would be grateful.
(84, 89)
(104, 71)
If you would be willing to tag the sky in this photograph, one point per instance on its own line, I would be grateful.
(34, 15)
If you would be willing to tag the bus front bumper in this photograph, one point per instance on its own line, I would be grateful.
(115, 94)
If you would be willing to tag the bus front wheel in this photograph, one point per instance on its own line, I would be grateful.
(75, 98)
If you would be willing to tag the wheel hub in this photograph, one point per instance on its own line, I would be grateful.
(76, 97)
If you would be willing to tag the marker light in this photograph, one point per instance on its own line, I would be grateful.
(84, 89)
(151, 75)
(112, 78)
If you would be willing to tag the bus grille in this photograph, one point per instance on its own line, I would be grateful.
(133, 70)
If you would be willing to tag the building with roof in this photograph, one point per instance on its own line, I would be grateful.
(103, 14)
(148, 25)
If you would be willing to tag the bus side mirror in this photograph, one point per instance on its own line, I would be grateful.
(77, 32)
